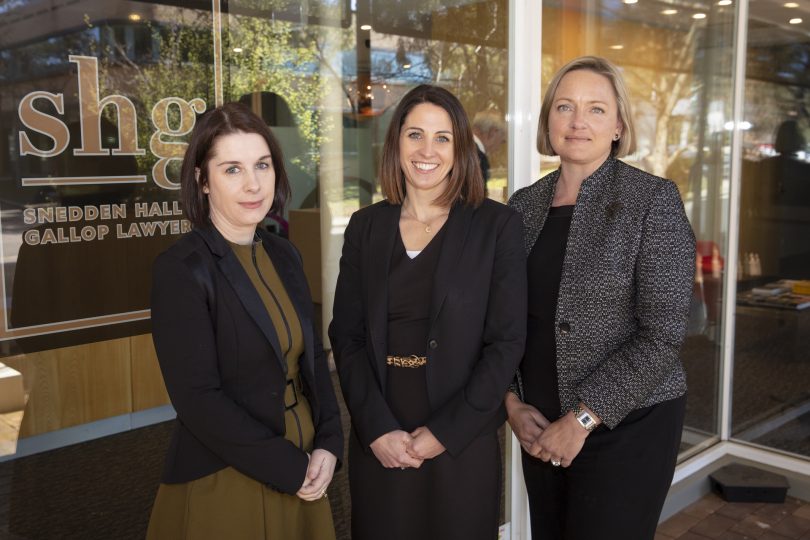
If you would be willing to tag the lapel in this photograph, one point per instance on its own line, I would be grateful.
(287, 270)
(536, 213)
(595, 207)
(458, 225)
(232, 270)
(382, 235)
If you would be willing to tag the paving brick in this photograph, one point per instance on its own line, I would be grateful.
(774, 513)
(803, 511)
(770, 535)
(689, 535)
(792, 526)
(751, 526)
(713, 526)
(678, 524)
(731, 535)
(705, 506)
(738, 511)
(661, 536)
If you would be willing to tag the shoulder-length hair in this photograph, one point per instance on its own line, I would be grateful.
(627, 141)
(466, 182)
(224, 120)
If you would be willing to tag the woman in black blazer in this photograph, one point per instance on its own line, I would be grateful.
(611, 261)
(429, 319)
(258, 432)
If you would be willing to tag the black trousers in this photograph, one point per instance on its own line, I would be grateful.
(616, 487)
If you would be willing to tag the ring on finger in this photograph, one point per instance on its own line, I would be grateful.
(555, 462)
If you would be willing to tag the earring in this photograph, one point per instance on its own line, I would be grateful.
(616, 137)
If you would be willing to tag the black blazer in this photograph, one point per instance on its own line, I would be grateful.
(223, 366)
(478, 327)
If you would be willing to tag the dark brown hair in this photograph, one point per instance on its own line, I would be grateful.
(466, 182)
(224, 120)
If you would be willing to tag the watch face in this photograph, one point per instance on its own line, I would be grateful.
(586, 420)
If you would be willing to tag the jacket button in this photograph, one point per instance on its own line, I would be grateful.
(433, 344)
(564, 328)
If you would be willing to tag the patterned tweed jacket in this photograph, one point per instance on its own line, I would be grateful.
(625, 289)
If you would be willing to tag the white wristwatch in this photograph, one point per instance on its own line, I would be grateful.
(584, 418)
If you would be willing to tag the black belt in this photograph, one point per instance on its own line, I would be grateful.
(295, 385)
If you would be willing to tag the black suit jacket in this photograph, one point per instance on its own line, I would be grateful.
(478, 321)
(223, 366)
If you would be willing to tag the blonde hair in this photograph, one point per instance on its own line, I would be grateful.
(627, 141)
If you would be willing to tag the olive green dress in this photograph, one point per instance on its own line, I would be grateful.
(228, 504)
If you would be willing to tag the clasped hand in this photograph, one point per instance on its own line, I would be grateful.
(560, 440)
(400, 449)
(319, 474)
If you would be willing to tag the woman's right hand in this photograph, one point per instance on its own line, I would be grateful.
(526, 421)
(391, 450)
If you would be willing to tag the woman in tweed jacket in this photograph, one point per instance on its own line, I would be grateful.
(600, 397)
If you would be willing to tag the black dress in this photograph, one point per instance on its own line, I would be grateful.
(446, 497)
(615, 488)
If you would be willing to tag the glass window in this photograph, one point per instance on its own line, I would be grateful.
(771, 394)
(677, 63)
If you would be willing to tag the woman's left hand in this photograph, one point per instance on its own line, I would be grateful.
(319, 474)
(562, 440)
(424, 444)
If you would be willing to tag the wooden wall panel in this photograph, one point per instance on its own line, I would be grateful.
(75, 385)
(148, 389)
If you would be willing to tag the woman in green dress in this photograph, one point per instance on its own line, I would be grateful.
(258, 433)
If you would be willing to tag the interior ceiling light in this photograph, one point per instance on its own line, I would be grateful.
(365, 27)
(724, 3)
(797, 20)
(134, 17)
(791, 5)
(617, 47)
(699, 16)
(669, 12)
(630, 1)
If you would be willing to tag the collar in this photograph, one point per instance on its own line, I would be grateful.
(599, 177)
(216, 242)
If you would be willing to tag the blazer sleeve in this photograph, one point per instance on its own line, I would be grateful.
(371, 416)
(665, 270)
(328, 431)
(184, 337)
(467, 412)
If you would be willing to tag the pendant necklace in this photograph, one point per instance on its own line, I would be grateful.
(428, 230)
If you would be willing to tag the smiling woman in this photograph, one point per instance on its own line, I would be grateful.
(429, 319)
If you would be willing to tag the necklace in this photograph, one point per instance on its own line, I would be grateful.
(411, 215)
